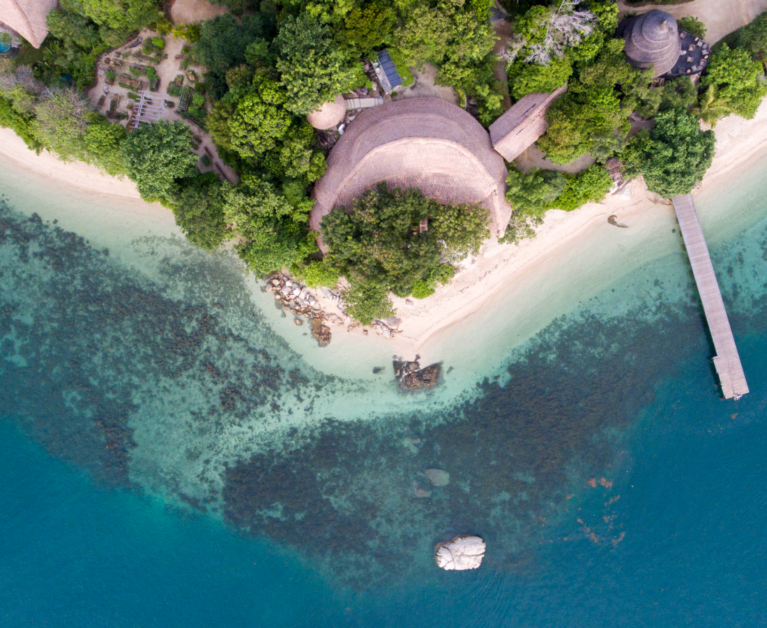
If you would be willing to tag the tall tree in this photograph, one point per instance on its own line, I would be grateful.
(736, 79)
(156, 156)
(314, 68)
(673, 156)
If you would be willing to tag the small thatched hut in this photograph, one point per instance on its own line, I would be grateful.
(521, 126)
(27, 18)
(328, 115)
(652, 39)
(424, 143)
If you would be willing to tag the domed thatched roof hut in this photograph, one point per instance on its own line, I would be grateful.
(328, 115)
(27, 17)
(424, 143)
(652, 39)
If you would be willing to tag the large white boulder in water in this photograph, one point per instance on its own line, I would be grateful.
(463, 552)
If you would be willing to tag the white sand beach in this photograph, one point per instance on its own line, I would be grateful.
(574, 256)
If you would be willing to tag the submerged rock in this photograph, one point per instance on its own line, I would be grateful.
(463, 552)
(438, 477)
(321, 332)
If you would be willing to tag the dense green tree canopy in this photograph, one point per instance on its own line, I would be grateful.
(533, 193)
(753, 38)
(103, 145)
(673, 156)
(736, 80)
(198, 205)
(257, 126)
(314, 69)
(378, 240)
(61, 121)
(532, 78)
(596, 106)
(224, 41)
(156, 156)
(274, 230)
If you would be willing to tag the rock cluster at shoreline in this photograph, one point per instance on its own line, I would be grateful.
(410, 375)
(305, 303)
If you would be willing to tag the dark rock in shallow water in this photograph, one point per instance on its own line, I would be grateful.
(377, 370)
(411, 376)
(321, 332)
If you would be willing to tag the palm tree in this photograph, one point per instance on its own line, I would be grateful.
(710, 108)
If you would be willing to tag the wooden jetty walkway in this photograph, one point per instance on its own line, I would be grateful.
(727, 360)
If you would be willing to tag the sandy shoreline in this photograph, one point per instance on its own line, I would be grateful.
(531, 273)
(76, 173)
(500, 267)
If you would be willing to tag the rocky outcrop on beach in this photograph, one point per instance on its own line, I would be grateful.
(463, 552)
(411, 376)
(302, 302)
(316, 306)
(321, 332)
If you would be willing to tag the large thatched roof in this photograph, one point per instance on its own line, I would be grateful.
(27, 18)
(652, 39)
(521, 126)
(424, 143)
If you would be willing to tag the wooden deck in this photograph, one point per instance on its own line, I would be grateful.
(727, 360)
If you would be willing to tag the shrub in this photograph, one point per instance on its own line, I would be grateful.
(589, 186)
(673, 156)
(421, 289)
(318, 274)
(158, 42)
(692, 25)
(368, 300)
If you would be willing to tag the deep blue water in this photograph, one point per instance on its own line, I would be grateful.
(675, 538)
(692, 506)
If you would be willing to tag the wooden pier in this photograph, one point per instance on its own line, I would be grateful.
(727, 360)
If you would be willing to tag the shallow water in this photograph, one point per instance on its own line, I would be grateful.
(171, 460)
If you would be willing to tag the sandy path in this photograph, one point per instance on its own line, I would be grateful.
(191, 11)
(721, 17)
(425, 87)
(167, 69)
(503, 31)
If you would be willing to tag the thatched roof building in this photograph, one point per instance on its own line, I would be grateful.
(27, 18)
(424, 143)
(522, 125)
(652, 39)
(329, 114)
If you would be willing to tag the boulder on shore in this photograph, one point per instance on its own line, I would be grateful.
(463, 552)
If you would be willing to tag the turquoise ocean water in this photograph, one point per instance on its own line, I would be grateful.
(168, 460)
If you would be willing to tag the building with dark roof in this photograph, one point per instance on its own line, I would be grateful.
(652, 40)
(387, 72)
